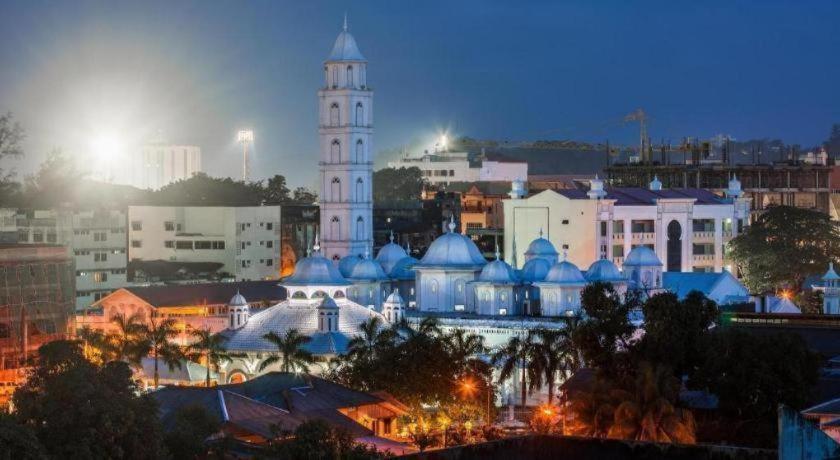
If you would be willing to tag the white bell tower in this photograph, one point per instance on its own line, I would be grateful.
(346, 134)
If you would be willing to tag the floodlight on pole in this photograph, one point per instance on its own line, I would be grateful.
(245, 137)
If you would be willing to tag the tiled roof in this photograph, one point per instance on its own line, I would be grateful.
(187, 372)
(283, 317)
(209, 293)
(634, 196)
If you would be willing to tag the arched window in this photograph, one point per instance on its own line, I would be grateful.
(360, 190)
(360, 114)
(349, 76)
(335, 228)
(338, 295)
(335, 151)
(360, 228)
(334, 118)
(335, 189)
(319, 295)
(299, 295)
(360, 151)
(335, 77)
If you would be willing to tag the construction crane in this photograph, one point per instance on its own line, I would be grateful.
(640, 116)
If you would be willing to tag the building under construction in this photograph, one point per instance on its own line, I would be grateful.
(793, 183)
(37, 299)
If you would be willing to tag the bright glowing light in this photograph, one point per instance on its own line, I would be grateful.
(786, 294)
(546, 410)
(444, 141)
(105, 146)
(245, 135)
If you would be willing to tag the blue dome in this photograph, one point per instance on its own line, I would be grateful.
(565, 273)
(642, 256)
(238, 300)
(497, 271)
(452, 250)
(315, 270)
(346, 264)
(368, 269)
(403, 270)
(541, 247)
(535, 270)
(604, 270)
(389, 255)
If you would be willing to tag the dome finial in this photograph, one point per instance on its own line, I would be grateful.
(317, 246)
(345, 21)
(565, 254)
(451, 223)
(367, 253)
(541, 232)
(391, 237)
(408, 247)
(497, 252)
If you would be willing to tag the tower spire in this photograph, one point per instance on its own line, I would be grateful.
(345, 21)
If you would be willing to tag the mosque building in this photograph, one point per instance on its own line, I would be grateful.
(338, 286)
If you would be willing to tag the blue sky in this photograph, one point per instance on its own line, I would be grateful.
(517, 70)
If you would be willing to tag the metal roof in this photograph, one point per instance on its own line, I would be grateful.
(208, 293)
(636, 196)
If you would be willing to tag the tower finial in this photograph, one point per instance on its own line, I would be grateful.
(497, 252)
(345, 21)
(391, 237)
(451, 223)
(541, 232)
(367, 252)
(317, 246)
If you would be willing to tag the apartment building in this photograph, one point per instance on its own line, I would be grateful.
(444, 167)
(193, 243)
(160, 164)
(687, 228)
(96, 240)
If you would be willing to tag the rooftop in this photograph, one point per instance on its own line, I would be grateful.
(208, 293)
(634, 196)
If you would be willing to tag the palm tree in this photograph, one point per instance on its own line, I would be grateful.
(127, 341)
(373, 337)
(211, 347)
(96, 344)
(464, 347)
(646, 413)
(516, 353)
(554, 351)
(157, 341)
(292, 356)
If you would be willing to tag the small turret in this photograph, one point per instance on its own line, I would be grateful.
(734, 189)
(831, 291)
(655, 184)
(394, 307)
(596, 189)
(517, 189)
(238, 311)
(328, 315)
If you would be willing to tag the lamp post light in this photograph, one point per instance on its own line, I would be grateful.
(467, 386)
(245, 137)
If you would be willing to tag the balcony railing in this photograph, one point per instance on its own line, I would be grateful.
(644, 236)
(704, 258)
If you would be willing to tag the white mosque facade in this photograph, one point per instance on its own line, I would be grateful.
(339, 285)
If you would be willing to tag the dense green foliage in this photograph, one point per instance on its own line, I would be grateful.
(191, 427)
(784, 246)
(603, 336)
(290, 352)
(317, 440)
(390, 184)
(17, 441)
(80, 410)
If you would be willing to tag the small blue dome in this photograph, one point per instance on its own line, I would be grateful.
(368, 270)
(497, 271)
(604, 270)
(238, 300)
(314, 270)
(642, 256)
(452, 250)
(403, 270)
(394, 297)
(565, 273)
(390, 254)
(541, 247)
(346, 264)
(345, 48)
(535, 270)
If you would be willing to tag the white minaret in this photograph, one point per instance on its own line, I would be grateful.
(346, 132)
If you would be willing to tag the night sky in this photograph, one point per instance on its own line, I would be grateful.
(512, 70)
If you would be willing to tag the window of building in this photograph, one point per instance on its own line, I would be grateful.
(203, 245)
(269, 244)
(100, 236)
(603, 229)
(183, 245)
(100, 256)
(565, 246)
(136, 244)
(246, 263)
(565, 222)
(52, 238)
(451, 172)
(269, 226)
(136, 225)
(37, 237)
(169, 226)
(169, 244)
(178, 227)
(100, 277)
(218, 245)
(23, 236)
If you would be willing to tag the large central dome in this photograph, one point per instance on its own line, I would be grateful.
(315, 270)
(452, 250)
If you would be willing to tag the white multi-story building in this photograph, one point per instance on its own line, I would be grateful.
(687, 228)
(160, 164)
(245, 240)
(346, 135)
(444, 167)
(96, 239)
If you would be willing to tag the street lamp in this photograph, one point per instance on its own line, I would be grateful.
(245, 137)
(468, 387)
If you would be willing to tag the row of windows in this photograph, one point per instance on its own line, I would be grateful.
(187, 244)
(439, 172)
(86, 252)
(87, 232)
(335, 114)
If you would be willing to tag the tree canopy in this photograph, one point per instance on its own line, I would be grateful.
(784, 246)
(392, 184)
